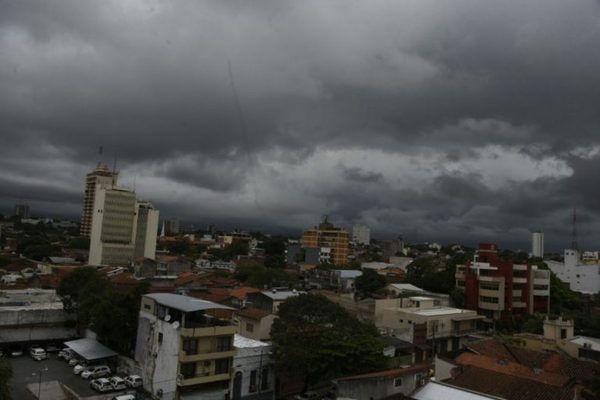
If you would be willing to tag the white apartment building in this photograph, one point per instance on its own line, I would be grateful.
(581, 277)
(146, 231)
(537, 244)
(254, 376)
(99, 176)
(185, 347)
(361, 234)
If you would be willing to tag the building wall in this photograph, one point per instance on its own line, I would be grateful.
(255, 359)
(537, 244)
(361, 234)
(260, 329)
(100, 176)
(334, 239)
(113, 231)
(146, 231)
(376, 388)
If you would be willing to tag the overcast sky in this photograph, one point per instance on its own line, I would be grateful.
(451, 121)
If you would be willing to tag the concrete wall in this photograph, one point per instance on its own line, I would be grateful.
(39, 324)
(376, 388)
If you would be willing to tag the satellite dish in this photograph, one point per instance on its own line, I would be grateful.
(167, 317)
(175, 325)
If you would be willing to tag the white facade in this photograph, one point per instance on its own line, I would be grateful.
(361, 234)
(537, 244)
(254, 374)
(147, 229)
(114, 222)
(583, 278)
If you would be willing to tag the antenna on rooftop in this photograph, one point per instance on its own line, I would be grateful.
(574, 233)
(114, 174)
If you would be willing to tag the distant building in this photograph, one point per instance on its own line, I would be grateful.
(392, 248)
(501, 290)
(22, 210)
(537, 244)
(581, 275)
(185, 347)
(99, 176)
(361, 234)
(146, 231)
(270, 300)
(172, 226)
(332, 242)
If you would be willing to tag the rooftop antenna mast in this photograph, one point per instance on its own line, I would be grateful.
(574, 233)
(114, 174)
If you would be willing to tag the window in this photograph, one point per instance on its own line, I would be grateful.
(249, 327)
(223, 343)
(397, 382)
(563, 333)
(190, 346)
(252, 387)
(147, 306)
(160, 337)
(222, 366)
(264, 379)
(487, 299)
(489, 286)
(188, 370)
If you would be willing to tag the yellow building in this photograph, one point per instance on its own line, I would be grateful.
(332, 242)
(185, 345)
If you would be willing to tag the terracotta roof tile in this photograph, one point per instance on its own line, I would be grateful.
(242, 293)
(390, 373)
(508, 386)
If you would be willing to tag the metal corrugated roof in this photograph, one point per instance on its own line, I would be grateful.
(90, 349)
(185, 303)
(436, 391)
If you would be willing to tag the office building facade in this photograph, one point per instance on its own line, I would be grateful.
(99, 176)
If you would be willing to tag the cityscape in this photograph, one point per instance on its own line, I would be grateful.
(299, 200)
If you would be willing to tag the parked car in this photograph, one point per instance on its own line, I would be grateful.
(101, 385)
(66, 354)
(97, 371)
(37, 353)
(16, 352)
(124, 397)
(118, 383)
(52, 348)
(134, 381)
(79, 368)
(74, 361)
(307, 396)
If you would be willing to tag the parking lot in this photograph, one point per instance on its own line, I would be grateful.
(27, 371)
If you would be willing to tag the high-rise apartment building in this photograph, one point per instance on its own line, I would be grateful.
(332, 242)
(500, 289)
(172, 226)
(146, 230)
(537, 244)
(22, 210)
(99, 176)
(361, 234)
(114, 223)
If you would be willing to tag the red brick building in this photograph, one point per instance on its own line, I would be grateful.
(502, 290)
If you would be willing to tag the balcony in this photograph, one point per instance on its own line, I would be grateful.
(185, 358)
(517, 292)
(519, 304)
(541, 292)
(203, 331)
(197, 380)
(520, 267)
(517, 279)
(483, 278)
(484, 305)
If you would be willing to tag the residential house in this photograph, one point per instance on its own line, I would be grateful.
(254, 374)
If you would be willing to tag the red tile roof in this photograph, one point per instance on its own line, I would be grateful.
(242, 293)
(390, 373)
(507, 386)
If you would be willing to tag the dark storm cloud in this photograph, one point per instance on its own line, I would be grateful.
(465, 120)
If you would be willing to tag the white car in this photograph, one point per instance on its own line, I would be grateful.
(101, 385)
(37, 353)
(79, 368)
(97, 371)
(66, 354)
(134, 381)
(74, 361)
(118, 383)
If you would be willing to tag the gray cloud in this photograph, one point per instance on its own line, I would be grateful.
(463, 121)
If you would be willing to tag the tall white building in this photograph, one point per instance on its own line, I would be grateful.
(361, 234)
(114, 222)
(581, 276)
(146, 231)
(537, 244)
(99, 176)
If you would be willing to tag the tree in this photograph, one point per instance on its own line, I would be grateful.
(457, 295)
(6, 374)
(317, 340)
(80, 242)
(369, 283)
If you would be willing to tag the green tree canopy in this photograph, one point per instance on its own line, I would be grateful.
(318, 340)
(369, 283)
(6, 374)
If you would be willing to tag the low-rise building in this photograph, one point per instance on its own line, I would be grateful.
(269, 300)
(185, 347)
(254, 376)
(255, 323)
(32, 315)
(343, 279)
(382, 384)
